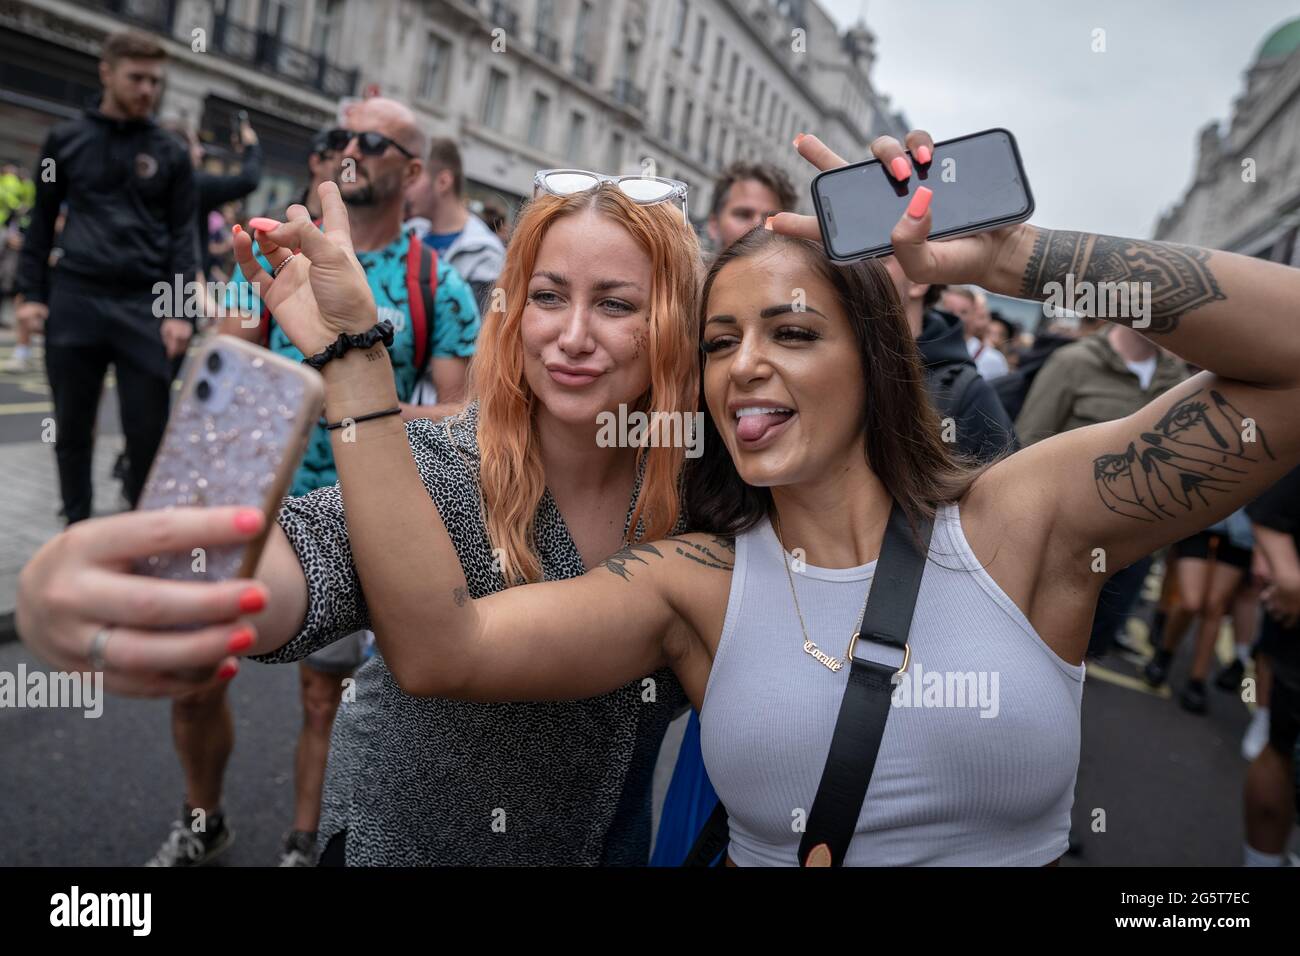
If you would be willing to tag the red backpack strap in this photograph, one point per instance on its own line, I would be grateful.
(421, 292)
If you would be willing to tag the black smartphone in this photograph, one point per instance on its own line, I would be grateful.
(978, 181)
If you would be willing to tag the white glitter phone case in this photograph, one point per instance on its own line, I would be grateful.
(236, 433)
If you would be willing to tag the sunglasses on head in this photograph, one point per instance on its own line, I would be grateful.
(370, 143)
(643, 190)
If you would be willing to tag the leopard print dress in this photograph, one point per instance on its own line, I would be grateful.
(425, 781)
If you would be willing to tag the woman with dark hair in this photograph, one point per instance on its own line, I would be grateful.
(820, 428)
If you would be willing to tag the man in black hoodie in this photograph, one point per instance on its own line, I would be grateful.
(973, 418)
(129, 190)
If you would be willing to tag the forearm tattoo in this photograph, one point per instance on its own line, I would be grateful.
(1202, 444)
(1178, 277)
(720, 554)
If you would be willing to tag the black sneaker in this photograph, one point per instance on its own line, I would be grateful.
(299, 849)
(1193, 697)
(1229, 678)
(186, 847)
(1157, 670)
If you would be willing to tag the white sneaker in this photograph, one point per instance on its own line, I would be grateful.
(1255, 738)
(18, 362)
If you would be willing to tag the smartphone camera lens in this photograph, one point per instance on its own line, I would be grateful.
(203, 390)
(214, 362)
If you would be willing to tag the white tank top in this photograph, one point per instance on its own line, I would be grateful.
(981, 749)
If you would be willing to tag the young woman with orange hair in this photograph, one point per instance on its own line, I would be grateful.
(595, 310)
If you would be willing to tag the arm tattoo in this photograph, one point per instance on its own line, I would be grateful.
(1178, 277)
(619, 560)
(461, 595)
(713, 555)
(720, 554)
(1202, 444)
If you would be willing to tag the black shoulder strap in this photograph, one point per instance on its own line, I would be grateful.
(712, 839)
(865, 706)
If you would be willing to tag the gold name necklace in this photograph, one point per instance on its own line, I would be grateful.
(812, 650)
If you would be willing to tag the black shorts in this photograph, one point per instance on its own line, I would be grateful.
(1225, 552)
(1282, 646)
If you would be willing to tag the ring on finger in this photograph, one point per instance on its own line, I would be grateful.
(98, 645)
(280, 268)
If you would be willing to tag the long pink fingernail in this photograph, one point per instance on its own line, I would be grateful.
(900, 168)
(920, 203)
(240, 641)
(248, 520)
(262, 224)
(251, 601)
(923, 154)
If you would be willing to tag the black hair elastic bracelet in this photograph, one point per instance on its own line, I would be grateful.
(362, 418)
(381, 331)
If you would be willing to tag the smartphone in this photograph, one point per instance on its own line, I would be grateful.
(237, 432)
(241, 118)
(978, 181)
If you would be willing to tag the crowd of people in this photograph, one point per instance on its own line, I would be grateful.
(556, 577)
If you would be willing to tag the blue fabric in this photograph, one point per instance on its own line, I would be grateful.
(690, 800)
(441, 241)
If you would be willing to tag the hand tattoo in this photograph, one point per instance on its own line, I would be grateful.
(1198, 446)
(1178, 276)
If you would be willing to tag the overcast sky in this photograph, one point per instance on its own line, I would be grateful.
(1108, 138)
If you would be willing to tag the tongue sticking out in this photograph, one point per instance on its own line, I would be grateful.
(754, 427)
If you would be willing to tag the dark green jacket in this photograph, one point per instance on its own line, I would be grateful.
(1086, 382)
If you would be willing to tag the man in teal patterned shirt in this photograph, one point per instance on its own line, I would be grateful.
(374, 159)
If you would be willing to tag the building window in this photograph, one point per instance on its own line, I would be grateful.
(614, 162)
(537, 120)
(744, 90)
(545, 16)
(706, 139)
(434, 68)
(577, 137)
(582, 24)
(697, 58)
(494, 102)
(719, 47)
(688, 117)
(771, 114)
(283, 18)
(670, 102)
(731, 75)
(326, 28)
(679, 24)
